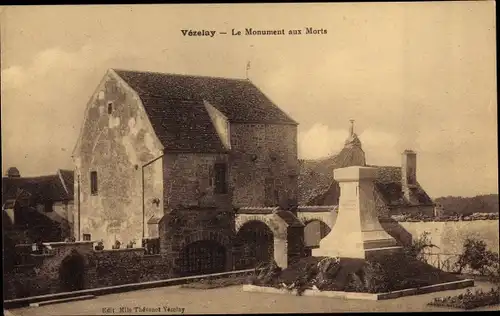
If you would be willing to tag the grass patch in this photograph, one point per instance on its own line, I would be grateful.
(469, 300)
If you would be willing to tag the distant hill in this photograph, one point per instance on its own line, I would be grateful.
(468, 205)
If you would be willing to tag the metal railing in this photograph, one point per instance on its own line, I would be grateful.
(443, 261)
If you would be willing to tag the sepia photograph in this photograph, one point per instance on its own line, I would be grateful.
(249, 158)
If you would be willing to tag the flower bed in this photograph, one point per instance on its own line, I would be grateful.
(386, 274)
(469, 300)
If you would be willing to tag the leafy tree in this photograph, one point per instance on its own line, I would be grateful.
(476, 256)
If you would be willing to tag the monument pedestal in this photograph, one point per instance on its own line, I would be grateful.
(357, 233)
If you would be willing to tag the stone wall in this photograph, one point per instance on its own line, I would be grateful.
(101, 269)
(417, 209)
(116, 144)
(183, 226)
(189, 179)
(125, 266)
(448, 236)
(264, 166)
(23, 281)
(41, 276)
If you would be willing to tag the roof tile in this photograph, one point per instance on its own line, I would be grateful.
(175, 106)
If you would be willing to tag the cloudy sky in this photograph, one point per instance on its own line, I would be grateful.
(413, 75)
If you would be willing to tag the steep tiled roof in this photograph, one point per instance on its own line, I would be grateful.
(316, 176)
(388, 183)
(175, 106)
(186, 126)
(318, 187)
(42, 188)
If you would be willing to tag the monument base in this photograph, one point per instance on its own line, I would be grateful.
(342, 243)
(357, 232)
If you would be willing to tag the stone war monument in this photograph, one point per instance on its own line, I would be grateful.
(357, 233)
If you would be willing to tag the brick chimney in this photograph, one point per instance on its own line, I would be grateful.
(409, 174)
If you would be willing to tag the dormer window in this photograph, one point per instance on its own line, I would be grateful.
(110, 107)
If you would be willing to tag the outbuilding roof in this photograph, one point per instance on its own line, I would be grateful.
(57, 187)
(175, 106)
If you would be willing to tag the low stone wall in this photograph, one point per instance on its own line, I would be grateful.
(101, 269)
(124, 266)
(449, 236)
(19, 282)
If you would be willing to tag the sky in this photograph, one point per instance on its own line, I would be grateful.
(415, 76)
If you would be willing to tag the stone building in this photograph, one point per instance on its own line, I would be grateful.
(177, 155)
(37, 208)
(397, 190)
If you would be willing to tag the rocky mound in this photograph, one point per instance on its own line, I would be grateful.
(385, 274)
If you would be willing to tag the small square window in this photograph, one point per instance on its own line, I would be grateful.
(86, 237)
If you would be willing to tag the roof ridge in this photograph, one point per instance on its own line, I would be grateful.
(180, 75)
(35, 177)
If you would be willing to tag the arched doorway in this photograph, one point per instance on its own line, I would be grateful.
(203, 257)
(314, 231)
(71, 272)
(254, 244)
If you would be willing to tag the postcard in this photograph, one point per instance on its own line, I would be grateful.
(249, 158)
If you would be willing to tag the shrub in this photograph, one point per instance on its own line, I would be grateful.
(266, 273)
(377, 280)
(417, 247)
(327, 270)
(478, 258)
(355, 282)
(469, 300)
(304, 278)
(397, 271)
